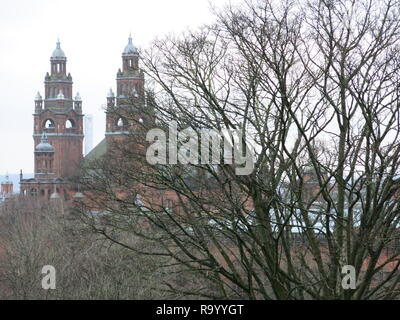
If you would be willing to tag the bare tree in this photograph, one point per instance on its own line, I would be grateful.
(34, 235)
(313, 91)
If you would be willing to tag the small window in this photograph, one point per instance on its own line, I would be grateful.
(121, 122)
(49, 124)
(70, 124)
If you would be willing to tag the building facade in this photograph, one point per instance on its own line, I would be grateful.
(58, 131)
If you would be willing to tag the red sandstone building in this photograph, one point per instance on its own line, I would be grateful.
(58, 129)
(58, 125)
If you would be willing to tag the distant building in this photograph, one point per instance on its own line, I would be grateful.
(88, 133)
(6, 189)
(58, 126)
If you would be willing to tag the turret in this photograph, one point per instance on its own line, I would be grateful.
(130, 81)
(58, 80)
(38, 103)
(110, 99)
(44, 158)
(78, 103)
(130, 92)
(130, 57)
(58, 61)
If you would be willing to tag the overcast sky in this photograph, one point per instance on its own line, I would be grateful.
(92, 35)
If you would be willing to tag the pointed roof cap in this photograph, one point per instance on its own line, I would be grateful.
(58, 53)
(78, 97)
(38, 97)
(44, 145)
(130, 49)
(110, 94)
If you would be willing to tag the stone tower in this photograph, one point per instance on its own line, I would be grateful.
(57, 133)
(130, 91)
(60, 118)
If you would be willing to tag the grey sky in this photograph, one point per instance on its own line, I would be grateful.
(93, 35)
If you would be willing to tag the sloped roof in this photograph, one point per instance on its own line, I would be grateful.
(97, 152)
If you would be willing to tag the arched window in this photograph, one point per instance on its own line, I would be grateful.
(121, 122)
(49, 124)
(70, 124)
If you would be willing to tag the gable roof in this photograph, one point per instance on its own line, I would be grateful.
(97, 152)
